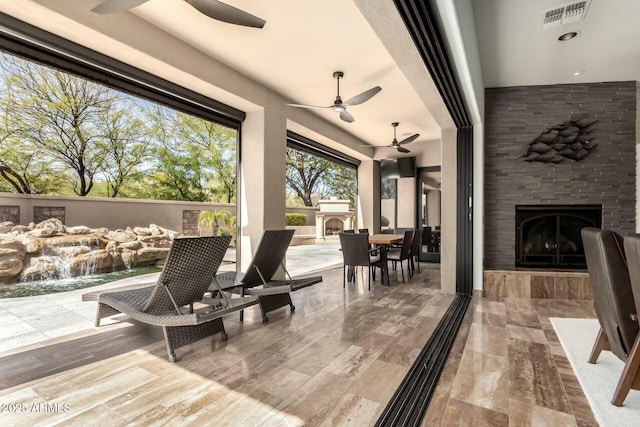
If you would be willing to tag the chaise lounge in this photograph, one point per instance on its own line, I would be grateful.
(188, 273)
(259, 281)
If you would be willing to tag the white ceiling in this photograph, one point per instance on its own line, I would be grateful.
(295, 55)
(515, 51)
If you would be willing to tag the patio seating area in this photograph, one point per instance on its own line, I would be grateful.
(29, 320)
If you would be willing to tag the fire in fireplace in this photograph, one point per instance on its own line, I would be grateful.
(549, 236)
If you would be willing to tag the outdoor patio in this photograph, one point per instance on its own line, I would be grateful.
(29, 320)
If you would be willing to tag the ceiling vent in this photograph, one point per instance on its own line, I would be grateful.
(563, 15)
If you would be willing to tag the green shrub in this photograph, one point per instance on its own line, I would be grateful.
(384, 221)
(296, 219)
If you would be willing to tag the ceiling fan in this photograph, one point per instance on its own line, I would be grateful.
(212, 8)
(339, 105)
(399, 145)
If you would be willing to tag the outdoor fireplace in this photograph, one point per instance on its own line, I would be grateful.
(549, 236)
(333, 217)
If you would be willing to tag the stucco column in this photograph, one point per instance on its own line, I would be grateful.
(369, 195)
(319, 228)
(262, 177)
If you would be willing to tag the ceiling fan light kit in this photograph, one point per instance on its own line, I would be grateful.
(399, 145)
(212, 8)
(340, 106)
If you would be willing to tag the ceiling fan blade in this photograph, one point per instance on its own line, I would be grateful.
(363, 97)
(403, 150)
(410, 139)
(115, 6)
(223, 12)
(347, 117)
(308, 106)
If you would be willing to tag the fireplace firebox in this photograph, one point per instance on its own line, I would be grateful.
(549, 236)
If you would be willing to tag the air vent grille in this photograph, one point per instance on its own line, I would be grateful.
(563, 15)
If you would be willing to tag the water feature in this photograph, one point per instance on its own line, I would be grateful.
(53, 285)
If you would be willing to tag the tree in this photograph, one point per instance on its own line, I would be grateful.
(340, 181)
(216, 146)
(66, 118)
(305, 173)
(23, 167)
(309, 175)
(217, 220)
(126, 142)
(195, 158)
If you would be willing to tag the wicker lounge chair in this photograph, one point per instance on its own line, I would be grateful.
(188, 273)
(258, 280)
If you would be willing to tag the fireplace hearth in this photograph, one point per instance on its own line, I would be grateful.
(549, 236)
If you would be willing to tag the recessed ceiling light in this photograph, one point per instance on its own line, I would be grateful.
(568, 36)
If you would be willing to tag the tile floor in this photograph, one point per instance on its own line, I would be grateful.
(336, 361)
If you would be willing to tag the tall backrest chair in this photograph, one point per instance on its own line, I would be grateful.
(613, 298)
(416, 248)
(630, 377)
(404, 252)
(612, 294)
(356, 253)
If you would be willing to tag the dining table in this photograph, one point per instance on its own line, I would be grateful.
(383, 241)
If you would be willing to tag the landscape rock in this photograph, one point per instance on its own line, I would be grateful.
(51, 224)
(6, 226)
(122, 236)
(91, 262)
(80, 229)
(148, 254)
(51, 250)
(10, 268)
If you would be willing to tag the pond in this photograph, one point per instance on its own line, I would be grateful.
(50, 286)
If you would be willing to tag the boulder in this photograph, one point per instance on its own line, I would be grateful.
(12, 247)
(20, 229)
(50, 266)
(162, 241)
(141, 231)
(129, 258)
(42, 232)
(134, 246)
(91, 240)
(68, 252)
(156, 230)
(122, 236)
(80, 229)
(51, 224)
(6, 226)
(149, 254)
(34, 245)
(90, 262)
(10, 268)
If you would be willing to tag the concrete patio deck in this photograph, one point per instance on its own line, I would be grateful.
(28, 320)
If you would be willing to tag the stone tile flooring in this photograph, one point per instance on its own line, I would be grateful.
(336, 361)
(507, 368)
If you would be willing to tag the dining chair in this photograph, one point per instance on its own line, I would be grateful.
(356, 253)
(613, 298)
(403, 253)
(416, 249)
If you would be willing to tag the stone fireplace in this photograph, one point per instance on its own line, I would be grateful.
(516, 262)
(332, 218)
